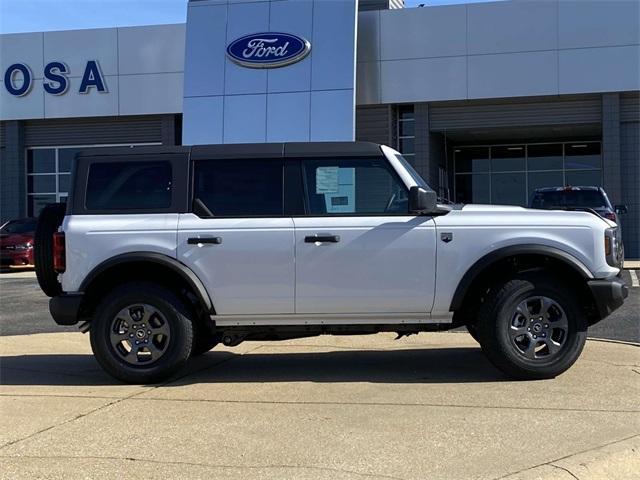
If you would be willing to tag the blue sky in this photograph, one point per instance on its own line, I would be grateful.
(44, 15)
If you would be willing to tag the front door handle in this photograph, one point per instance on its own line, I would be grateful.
(322, 239)
(211, 240)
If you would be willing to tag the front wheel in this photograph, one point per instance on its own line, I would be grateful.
(531, 327)
(141, 333)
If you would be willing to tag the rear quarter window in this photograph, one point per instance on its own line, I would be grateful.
(129, 186)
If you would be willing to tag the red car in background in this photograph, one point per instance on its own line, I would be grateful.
(16, 242)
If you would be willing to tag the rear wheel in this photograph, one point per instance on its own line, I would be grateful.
(532, 328)
(473, 331)
(141, 333)
(204, 341)
(49, 221)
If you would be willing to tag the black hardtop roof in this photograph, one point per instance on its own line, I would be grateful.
(244, 150)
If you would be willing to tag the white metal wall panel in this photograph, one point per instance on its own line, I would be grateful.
(599, 69)
(598, 23)
(423, 32)
(151, 49)
(512, 74)
(500, 50)
(501, 27)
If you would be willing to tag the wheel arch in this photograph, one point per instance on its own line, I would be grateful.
(549, 257)
(146, 266)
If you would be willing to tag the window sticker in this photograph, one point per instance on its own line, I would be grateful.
(326, 180)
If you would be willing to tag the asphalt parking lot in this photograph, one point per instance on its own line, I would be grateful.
(24, 310)
(364, 407)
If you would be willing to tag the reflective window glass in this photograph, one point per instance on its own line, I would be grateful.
(407, 129)
(405, 112)
(472, 160)
(240, 187)
(582, 156)
(407, 145)
(544, 157)
(472, 188)
(41, 183)
(42, 160)
(585, 178)
(544, 180)
(129, 186)
(38, 202)
(507, 159)
(508, 189)
(63, 183)
(65, 157)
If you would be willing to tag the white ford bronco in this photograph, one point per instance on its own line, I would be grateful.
(163, 252)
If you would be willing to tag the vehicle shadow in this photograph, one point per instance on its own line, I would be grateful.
(431, 365)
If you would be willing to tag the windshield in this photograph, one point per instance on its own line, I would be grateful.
(415, 175)
(569, 198)
(19, 226)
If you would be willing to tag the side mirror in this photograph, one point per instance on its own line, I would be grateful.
(620, 209)
(422, 200)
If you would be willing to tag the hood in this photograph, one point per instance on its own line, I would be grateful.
(493, 208)
(15, 238)
(486, 215)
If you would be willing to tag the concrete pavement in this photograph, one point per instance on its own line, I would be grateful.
(427, 406)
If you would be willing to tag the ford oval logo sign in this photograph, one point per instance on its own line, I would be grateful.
(268, 50)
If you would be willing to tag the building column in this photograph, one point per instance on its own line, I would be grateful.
(13, 173)
(612, 179)
(423, 142)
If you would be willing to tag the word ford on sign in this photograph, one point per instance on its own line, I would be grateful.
(268, 50)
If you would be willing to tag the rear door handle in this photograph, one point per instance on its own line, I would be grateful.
(211, 240)
(322, 238)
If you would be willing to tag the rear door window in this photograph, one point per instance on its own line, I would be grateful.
(116, 186)
(238, 188)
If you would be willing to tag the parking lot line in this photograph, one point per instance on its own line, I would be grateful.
(634, 278)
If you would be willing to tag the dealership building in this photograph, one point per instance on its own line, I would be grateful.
(489, 101)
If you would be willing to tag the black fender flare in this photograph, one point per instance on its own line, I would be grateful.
(152, 257)
(510, 251)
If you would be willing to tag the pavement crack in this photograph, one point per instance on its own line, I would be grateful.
(208, 465)
(552, 462)
(119, 400)
(380, 404)
(59, 395)
(613, 364)
(565, 469)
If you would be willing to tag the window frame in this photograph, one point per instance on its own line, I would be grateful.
(305, 190)
(178, 202)
(192, 189)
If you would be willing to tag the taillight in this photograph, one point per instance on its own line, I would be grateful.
(59, 254)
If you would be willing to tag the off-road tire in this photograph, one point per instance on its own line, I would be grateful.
(204, 341)
(495, 320)
(473, 331)
(49, 220)
(177, 316)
